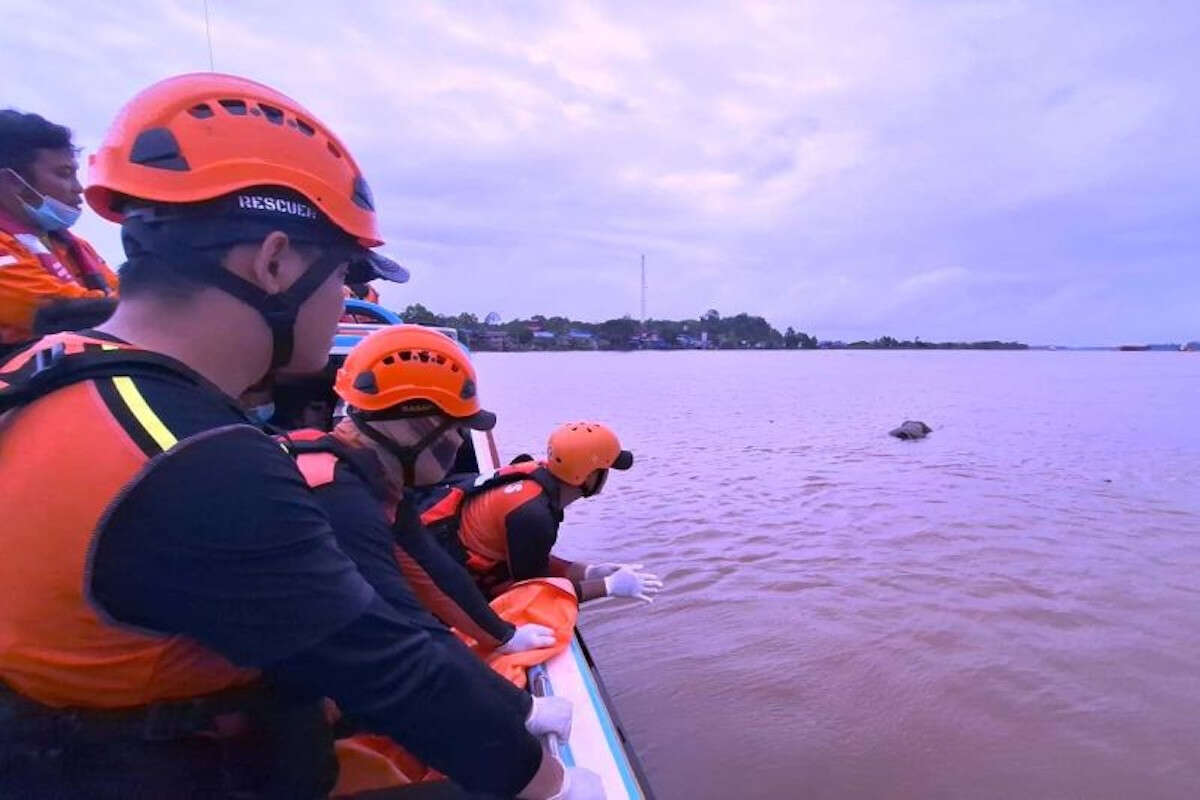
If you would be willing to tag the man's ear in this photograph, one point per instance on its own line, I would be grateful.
(265, 269)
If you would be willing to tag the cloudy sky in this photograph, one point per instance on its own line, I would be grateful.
(1026, 170)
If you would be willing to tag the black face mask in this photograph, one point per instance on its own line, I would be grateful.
(596, 487)
(445, 451)
(407, 455)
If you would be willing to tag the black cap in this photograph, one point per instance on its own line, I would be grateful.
(372, 265)
(479, 421)
(624, 460)
(256, 211)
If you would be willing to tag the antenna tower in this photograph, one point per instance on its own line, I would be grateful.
(643, 290)
(208, 35)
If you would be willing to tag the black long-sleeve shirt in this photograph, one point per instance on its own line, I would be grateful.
(356, 512)
(221, 540)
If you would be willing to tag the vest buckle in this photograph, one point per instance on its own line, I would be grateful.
(47, 357)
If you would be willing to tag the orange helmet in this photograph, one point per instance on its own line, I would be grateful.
(411, 371)
(231, 161)
(577, 449)
(197, 137)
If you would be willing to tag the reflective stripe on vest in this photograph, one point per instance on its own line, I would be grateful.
(143, 413)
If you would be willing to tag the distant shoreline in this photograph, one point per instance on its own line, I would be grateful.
(709, 331)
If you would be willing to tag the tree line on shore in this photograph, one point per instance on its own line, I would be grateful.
(708, 331)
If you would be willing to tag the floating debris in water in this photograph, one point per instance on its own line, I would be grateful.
(911, 429)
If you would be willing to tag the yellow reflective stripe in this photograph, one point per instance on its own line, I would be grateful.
(105, 346)
(144, 414)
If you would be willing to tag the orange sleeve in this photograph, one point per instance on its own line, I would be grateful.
(24, 286)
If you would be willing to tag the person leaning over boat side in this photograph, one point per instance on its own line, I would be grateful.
(409, 391)
(504, 528)
(198, 607)
(40, 198)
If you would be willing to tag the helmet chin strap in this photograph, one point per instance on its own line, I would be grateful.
(143, 237)
(279, 310)
(596, 489)
(406, 454)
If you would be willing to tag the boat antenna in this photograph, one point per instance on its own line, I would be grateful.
(208, 35)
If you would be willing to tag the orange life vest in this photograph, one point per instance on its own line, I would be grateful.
(36, 268)
(469, 519)
(367, 762)
(315, 458)
(317, 455)
(74, 437)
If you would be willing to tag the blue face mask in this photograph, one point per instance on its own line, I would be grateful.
(53, 215)
(261, 414)
(49, 214)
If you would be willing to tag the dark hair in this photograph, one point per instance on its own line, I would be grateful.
(22, 135)
(146, 274)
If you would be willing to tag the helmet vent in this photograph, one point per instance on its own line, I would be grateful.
(305, 128)
(362, 195)
(201, 111)
(389, 360)
(336, 153)
(365, 382)
(157, 148)
(235, 107)
(273, 114)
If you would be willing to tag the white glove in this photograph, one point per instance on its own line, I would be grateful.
(528, 637)
(593, 571)
(632, 581)
(580, 784)
(550, 715)
(569, 783)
